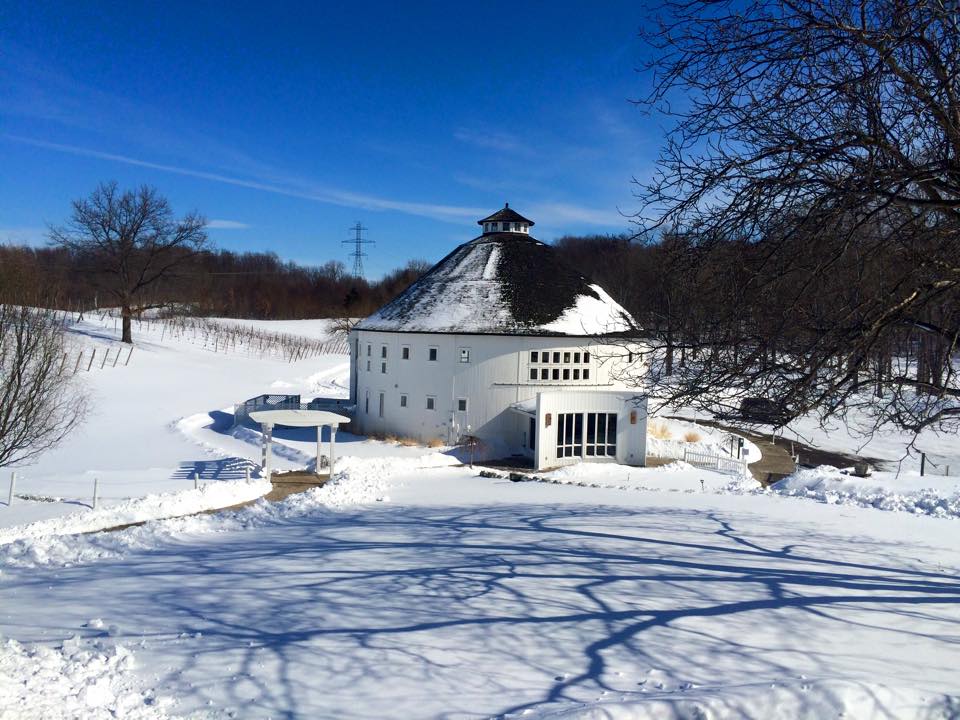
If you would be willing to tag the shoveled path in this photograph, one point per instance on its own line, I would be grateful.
(283, 486)
(777, 461)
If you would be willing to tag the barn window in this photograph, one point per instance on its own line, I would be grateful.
(431, 402)
(403, 401)
(464, 355)
(576, 373)
(586, 373)
(566, 373)
(533, 356)
(432, 354)
(566, 357)
(556, 358)
(586, 357)
(461, 404)
(576, 357)
(544, 374)
(405, 352)
(369, 347)
(533, 373)
(368, 366)
(556, 373)
(383, 368)
(381, 404)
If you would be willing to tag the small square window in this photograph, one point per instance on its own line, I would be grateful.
(403, 401)
(586, 373)
(544, 374)
(576, 357)
(556, 358)
(383, 368)
(556, 373)
(576, 373)
(566, 357)
(383, 351)
(430, 402)
(464, 355)
(533, 373)
(432, 354)
(461, 404)
(533, 356)
(405, 352)
(544, 357)
(586, 357)
(566, 373)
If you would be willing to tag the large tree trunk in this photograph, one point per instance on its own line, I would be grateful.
(127, 332)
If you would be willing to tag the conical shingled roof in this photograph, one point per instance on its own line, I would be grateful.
(506, 214)
(502, 284)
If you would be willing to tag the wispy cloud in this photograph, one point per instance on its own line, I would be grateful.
(500, 141)
(227, 225)
(297, 189)
(559, 213)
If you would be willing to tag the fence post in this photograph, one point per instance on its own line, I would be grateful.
(96, 492)
(13, 485)
(128, 356)
(116, 357)
(105, 356)
(246, 473)
(923, 463)
(76, 367)
(92, 356)
(196, 480)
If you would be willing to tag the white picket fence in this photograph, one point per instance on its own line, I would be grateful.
(725, 465)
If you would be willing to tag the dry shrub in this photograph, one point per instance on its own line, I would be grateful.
(692, 436)
(391, 438)
(660, 431)
(435, 443)
(408, 441)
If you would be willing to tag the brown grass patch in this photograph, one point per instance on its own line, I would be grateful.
(692, 436)
(660, 431)
(435, 443)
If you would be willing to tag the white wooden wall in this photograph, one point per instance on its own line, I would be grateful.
(496, 376)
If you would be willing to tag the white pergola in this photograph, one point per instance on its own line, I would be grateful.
(297, 418)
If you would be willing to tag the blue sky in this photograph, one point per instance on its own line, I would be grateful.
(286, 123)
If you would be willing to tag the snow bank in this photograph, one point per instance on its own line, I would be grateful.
(152, 507)
(882, 490)
(713, 441)
(677, 476)
(797, 697)
(359, 481)
(77, 680)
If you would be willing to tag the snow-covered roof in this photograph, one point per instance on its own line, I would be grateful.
(503, 284)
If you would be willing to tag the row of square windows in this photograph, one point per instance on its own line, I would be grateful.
(543, 357)
(535, 373)
(536, 356)
(431, 403)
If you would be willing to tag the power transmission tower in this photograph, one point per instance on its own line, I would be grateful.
(358, 254)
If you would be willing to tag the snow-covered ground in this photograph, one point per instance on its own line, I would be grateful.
(411, 587)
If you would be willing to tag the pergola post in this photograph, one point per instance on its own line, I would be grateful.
(319, 449)
(333, 439)
(267, 442)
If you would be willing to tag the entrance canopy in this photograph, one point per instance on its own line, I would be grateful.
(297, 418)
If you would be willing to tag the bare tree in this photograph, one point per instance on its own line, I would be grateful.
(813, 172)
(39, 402)
(130, 241)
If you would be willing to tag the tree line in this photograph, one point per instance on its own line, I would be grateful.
(212, 282)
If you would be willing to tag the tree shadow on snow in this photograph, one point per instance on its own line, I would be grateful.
(551, 604)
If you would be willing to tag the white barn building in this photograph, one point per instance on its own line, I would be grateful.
(502, 341)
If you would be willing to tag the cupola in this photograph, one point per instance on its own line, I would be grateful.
(506, 221)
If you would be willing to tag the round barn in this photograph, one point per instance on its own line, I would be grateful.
(503, 342)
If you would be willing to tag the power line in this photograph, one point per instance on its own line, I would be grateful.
(358, 254)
